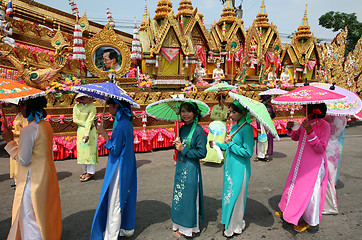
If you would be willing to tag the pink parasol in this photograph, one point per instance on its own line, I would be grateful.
(307, 95)
(351, 105)
(359, 115)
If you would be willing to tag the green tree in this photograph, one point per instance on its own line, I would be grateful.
(338, 21)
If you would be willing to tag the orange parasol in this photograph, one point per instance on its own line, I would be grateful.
(15, 92)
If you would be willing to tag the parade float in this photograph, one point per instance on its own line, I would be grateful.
(171, 53)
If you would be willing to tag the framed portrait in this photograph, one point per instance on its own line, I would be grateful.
(106, 51)
(107, 57)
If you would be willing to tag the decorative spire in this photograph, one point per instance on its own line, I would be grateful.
(163, 8)
(73, 7)
(262, 18)
(144, 24)
(304, 29)
(185, 8)
(136, 44)
(262, 8)
(110, 18)
(78, 47)
(228, 15)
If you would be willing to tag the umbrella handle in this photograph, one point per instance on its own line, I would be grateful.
(177, 126)
(4, 117)
(232, 135)
(104, 110)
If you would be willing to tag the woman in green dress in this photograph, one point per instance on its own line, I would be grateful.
(187, 202)
(239, 149)
(218, 113)
(84, 113)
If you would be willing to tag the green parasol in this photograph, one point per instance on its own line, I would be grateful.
(258, 110)
(222, 86)
(168, 109)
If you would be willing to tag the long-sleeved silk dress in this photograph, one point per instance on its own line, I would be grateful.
(337, 124)
(36, 209)
(120, 179)
(188, 181)
(18, 124)
(83, 116)
(236, 177)
(217, 114)
(305, 189)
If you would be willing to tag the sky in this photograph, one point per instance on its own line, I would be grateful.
(287, 15)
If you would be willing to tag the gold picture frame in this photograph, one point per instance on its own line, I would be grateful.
(96, 47)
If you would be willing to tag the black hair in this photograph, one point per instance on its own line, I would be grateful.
(191, 107)
(112, 53)
(37, 105)
(124, 104)
(321, 106)
(235, 108)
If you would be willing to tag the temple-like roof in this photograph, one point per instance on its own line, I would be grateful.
(304, 28)
(262, 18)
(185, 8)
(228, 15)
(163, 8)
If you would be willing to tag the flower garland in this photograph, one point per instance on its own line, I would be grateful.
(189, 87)
(64, 86)
(145, 81)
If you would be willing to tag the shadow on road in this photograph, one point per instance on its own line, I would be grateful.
(149, 212)
(140, 163)
(63, 175)
(257, 213)
(339, 184)
(4, 228)
(279, 155)
(274, 201)
(4, 177)
(78, 225)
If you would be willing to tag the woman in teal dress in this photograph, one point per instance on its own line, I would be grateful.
(239, 149)
(218, 113)
(187, 202)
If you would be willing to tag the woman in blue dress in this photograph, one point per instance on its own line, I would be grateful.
(187, 202)
(116, 212)
(239, 149)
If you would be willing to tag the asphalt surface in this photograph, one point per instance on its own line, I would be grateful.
(155, 184)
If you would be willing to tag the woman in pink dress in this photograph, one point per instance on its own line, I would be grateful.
(305, 189)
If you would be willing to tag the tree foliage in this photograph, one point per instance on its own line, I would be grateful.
(338, 21)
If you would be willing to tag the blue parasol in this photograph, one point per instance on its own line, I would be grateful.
(105, 90)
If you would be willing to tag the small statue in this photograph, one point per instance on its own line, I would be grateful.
(271, 74)
(284, 77)
(217, 74)
(199, 73)
(6, 30)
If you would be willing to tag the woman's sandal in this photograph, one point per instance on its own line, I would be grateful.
(279, 214)
(87, 177)
(82, 175)
(178, 235)
(256, 159)
(301, 228)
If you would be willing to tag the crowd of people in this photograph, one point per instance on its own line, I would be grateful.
(309, 189)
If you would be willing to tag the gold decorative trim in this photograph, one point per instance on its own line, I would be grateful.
(107, 38)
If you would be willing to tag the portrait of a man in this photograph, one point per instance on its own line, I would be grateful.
(107, 58)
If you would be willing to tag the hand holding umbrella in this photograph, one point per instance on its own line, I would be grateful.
(7, 134)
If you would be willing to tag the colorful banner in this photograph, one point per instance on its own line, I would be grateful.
(170, 53)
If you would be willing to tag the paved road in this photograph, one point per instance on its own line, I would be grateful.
(155, 183)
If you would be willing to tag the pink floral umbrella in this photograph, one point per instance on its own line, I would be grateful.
(351, 105)
(359, 115)
(308, 95)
